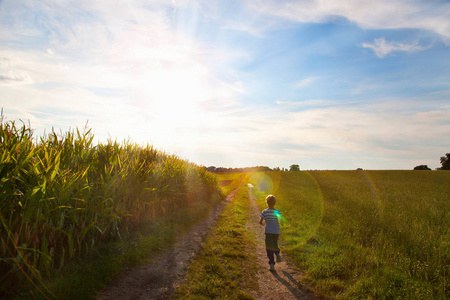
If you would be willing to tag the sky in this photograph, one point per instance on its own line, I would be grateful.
(323, 84)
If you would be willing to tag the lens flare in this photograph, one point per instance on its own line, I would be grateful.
(265, 183)
(280, 217)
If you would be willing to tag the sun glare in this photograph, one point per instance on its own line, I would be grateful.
(175, 97)
(172, 81)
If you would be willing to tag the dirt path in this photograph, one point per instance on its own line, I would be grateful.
(159, 278)
(283, 283)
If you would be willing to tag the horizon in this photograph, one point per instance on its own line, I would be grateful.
(325, 85)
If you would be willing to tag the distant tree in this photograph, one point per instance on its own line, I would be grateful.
(277, 169)
(445, 162)
(422, 167)
(211, 169)
(294, 168)
(238, 170)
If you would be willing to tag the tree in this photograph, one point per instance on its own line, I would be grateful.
(422, 167)
(294, 168)
(445, 162)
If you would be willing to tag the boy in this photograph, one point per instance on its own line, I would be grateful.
(270, 217)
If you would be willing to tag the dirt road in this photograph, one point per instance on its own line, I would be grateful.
(283, 283)
(159, 278)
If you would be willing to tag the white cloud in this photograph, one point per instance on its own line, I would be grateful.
(365, 87)
(383, 14)
(382, 48)
(445, 93)
(10, 73)
(245, 27)
(132, 74)
(304, 82)
(309, 104)
(397, 133)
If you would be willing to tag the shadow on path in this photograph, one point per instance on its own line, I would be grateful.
(297, 290)
(292, 288)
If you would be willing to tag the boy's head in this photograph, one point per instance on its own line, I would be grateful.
(270, 200)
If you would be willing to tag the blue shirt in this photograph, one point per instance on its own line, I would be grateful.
(271, 216)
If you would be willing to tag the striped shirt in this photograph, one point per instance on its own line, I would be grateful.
(271, 217)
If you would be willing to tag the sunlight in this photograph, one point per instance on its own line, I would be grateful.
(173, 82)
(176, 97)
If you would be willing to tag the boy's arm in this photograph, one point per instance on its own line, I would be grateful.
(261, 221)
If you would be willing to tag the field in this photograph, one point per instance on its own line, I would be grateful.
(366, 234)
(354, 234)
(74, 215)
(64, 199)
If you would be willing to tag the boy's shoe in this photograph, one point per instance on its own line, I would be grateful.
(279, 258)
(272, 268)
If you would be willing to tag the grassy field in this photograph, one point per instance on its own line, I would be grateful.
(366, 234)
(74, 215)
(64, 200)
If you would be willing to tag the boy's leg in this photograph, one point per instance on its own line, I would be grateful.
(270, 256)
(272, 247)
(275, 244)
(277, 254)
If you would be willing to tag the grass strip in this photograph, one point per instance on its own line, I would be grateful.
(222, 268)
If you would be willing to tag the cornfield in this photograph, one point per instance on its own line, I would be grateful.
(61, 195)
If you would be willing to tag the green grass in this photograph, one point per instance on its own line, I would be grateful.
(84, 277)
(63, 197)
(225, 266)
(230, 181)
(367, 235)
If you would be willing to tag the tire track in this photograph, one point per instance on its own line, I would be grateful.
(163, 274)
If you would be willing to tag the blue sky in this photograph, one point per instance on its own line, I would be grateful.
(323, 84)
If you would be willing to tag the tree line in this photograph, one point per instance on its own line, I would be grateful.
(445, 164)
(212, 169)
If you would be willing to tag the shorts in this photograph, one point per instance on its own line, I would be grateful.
(272, 241)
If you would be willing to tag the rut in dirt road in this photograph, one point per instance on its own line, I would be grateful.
(284, 282)
(160, 278)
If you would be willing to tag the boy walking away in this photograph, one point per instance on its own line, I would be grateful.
(270, 217)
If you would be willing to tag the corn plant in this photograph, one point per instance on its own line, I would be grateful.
(61, 195)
